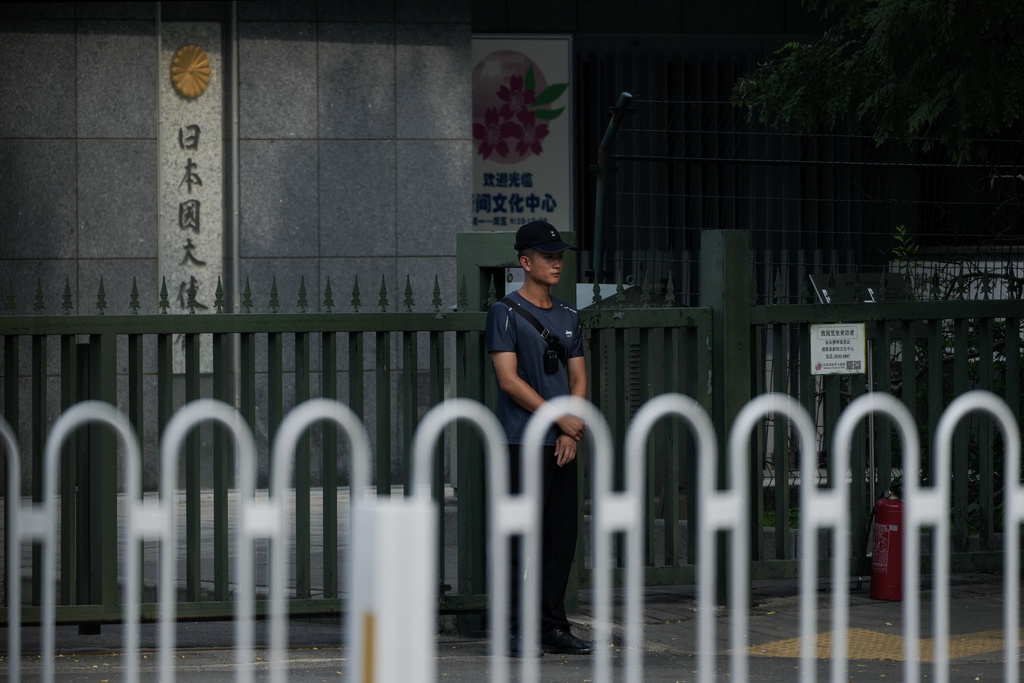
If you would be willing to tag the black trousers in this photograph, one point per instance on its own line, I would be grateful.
(559, 525)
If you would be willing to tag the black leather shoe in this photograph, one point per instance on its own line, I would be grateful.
(516, 646)
(560, 641)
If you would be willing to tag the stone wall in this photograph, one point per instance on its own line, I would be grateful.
(352, 135)
(353, 147)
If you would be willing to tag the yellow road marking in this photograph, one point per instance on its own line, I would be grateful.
(864, 644)
(369, 648)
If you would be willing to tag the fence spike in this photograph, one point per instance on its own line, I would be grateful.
(492, 291)
(133, 302)
(780, 287)
(218, 297)
(192, 291)
(437, 295)
(101, 299)
(247, 296)
(274, 303)
(961, 283)
(10, 298)
(408, 295)
(986, 286)
(883, 288)
(1013, 282)
(858, 288)
(620, 291)
(670, 291)
(328, 297)
(163, 304)
(645, 292)
(462, 303)
(383, 293)
(596, 298)
(66, 304)
(302, 294)
(37, 303)
(356, 302)
(805, 291)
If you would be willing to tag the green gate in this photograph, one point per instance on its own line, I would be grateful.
(639, 344)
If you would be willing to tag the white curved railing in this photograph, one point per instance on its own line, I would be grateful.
(629, 516)
(930, 507)
(411, 525)
(269, 519)
(728, 508)
(821, 508)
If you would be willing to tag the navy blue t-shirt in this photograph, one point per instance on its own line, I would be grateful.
(509, 331)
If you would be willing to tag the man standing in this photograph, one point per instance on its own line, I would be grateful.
(530, 370)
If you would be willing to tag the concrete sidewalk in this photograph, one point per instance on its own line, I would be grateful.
(317, 653)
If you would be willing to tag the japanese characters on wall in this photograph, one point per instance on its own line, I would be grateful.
(522, 132)
(191, 218)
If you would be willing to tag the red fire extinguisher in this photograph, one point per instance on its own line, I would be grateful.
(887, 553)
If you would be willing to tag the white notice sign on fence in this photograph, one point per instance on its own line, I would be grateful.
(837, 349)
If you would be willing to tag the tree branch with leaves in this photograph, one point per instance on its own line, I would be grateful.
(928, 73)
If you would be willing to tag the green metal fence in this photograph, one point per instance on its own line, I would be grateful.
(925, 354)
(722, 354)
(150, 365)
(111, 358)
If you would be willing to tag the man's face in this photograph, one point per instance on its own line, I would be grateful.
(546, 268)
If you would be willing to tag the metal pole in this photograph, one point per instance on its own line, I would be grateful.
(604, 166)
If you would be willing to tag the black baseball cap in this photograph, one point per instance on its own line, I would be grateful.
(542, 236)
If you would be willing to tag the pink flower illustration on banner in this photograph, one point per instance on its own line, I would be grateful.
(517, 101)
(530, 139)
(492, 133)
(512, 101)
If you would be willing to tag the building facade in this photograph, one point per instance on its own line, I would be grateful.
(343, 130)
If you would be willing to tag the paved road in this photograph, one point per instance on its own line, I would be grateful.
(316, 651)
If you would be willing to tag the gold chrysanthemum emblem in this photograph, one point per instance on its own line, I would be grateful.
(190, 71)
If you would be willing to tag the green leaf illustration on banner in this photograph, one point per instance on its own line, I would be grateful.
(550, 94)
(548, 114)
(512, 121)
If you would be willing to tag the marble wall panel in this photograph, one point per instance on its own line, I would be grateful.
(117, 199)
(435, 186)
(278, 197)
(37, 83)
(277, 90)
(116, 72)
(434, 99)
(357, 81)
(37, 206)
(357, 198)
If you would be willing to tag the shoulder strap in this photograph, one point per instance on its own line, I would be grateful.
(551, 339)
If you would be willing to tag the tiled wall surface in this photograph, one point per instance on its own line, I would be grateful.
(353, 140)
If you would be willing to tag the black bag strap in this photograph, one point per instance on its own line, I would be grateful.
(552, 340)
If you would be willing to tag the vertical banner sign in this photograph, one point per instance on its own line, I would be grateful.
(837, 349)
(522, 132)
(191, 170)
